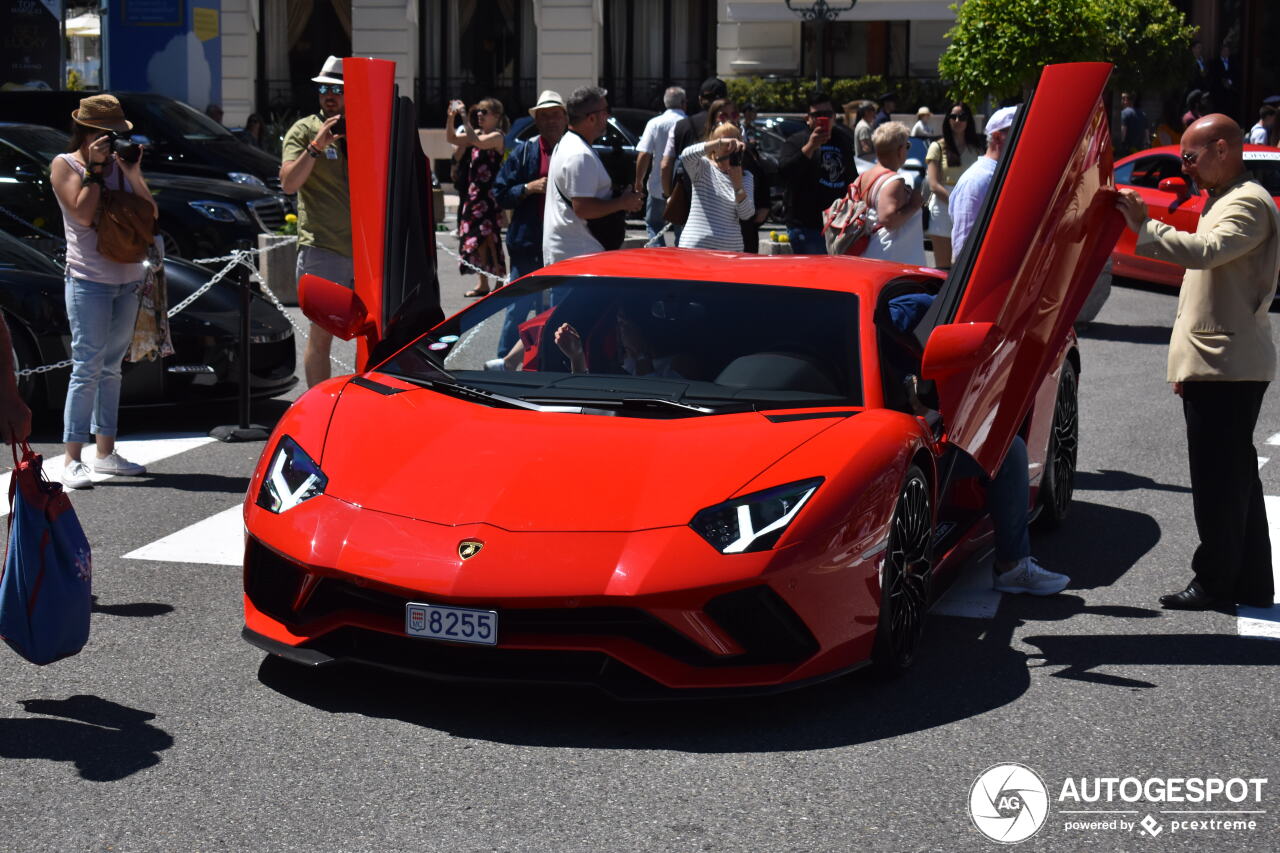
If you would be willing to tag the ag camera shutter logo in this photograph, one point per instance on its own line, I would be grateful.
(1008, 803)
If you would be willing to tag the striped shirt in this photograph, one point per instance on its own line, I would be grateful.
(714, 213)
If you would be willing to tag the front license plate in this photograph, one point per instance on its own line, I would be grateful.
(456, 624)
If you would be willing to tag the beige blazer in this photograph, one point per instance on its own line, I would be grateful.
(1222, 332)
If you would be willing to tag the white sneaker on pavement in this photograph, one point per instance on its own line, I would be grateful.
(1030, 576)
(118, 466)
(75, 475)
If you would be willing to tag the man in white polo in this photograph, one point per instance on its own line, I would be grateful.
(971, 190)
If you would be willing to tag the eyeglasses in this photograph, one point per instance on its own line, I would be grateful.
(479, 112)
(1190, 157)
(329, 89)
(957, 117)
(822, 113)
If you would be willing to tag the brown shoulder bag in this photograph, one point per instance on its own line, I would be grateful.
(126, 226)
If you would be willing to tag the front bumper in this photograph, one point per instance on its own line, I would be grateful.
(742, 633)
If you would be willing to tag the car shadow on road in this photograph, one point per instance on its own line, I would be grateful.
(967, 667)
(105, 741)
(1097, 543)
(137, 609)
(185, 482)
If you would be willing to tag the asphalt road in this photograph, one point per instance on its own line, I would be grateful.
(168, 733)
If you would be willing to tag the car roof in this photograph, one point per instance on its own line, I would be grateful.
(824, 272)
(1176, 151)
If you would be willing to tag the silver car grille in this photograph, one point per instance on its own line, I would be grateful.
(269, 213)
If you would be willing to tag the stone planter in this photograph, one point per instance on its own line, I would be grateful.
(278, 266)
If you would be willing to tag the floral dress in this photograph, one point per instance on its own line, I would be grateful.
(479, 219)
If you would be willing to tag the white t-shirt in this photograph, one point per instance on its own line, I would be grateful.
(1258, 134)
(575, 171)
(654, 142)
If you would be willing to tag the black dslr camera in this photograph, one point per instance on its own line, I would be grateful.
(125, 147)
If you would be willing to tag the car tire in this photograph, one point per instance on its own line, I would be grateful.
(173, 247)
(25, 356)
(1059, 481)
(906, 578)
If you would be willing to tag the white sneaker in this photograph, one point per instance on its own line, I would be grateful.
(1030, 576)
(75, 475)
(117, 465)
(495, 364)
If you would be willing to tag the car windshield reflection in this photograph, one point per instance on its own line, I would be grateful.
(649, 347)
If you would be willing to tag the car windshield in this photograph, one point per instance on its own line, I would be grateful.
(43, 143)
(649, 347)
(181, 119)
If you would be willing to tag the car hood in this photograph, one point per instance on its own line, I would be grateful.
(209, 188)
(435, 458)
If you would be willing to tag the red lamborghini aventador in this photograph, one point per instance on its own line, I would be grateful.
(710, 472)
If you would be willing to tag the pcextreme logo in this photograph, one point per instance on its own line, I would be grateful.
(1008, 803)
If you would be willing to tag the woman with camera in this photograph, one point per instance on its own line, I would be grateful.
(722, 190)
(479, 216)
(107, 213)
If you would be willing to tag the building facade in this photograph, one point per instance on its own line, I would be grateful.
(512, 49)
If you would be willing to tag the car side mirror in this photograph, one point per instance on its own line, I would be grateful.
(1176, 186)
(334, 308)
(958, 348)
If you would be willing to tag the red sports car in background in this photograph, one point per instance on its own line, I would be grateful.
(1171, 197)
(737, 483)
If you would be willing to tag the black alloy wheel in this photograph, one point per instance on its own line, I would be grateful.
(1059, 481)
(906, 577)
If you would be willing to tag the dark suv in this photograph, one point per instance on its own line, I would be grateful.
(182, 140)
(199, 217)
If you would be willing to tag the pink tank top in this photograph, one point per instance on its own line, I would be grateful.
(83, 260)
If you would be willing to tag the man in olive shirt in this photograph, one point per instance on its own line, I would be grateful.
(315, 167)
(1221, 358)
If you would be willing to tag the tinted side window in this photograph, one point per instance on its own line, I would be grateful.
(1267, 172)
(1149, 171)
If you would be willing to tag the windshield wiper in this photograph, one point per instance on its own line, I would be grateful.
(460, 390)
(643, 403)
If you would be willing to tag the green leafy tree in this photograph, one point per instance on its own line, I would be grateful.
(999, 46)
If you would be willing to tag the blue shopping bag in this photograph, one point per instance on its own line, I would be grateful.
(48, 568)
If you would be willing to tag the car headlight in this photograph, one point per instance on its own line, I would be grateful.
(246, 178)
(220, 211)
(292, 477)
(753, 522)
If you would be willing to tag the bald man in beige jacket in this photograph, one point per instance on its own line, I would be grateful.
(1221, 358)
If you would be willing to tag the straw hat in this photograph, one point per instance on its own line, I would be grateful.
(102, 112)
(547, 100)
(924, 112)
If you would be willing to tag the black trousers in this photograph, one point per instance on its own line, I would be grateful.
(1233, 560)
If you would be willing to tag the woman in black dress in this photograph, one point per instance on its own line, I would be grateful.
(479, 217)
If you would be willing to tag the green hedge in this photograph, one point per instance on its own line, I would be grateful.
(790, 94)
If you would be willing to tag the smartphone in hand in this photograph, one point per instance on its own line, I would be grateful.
(822, 123)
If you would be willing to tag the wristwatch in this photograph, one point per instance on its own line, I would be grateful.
(313, 151)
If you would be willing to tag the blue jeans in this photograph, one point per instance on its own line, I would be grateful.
(653, 210)
(1008, 495)
(806, 241)
(523, 262)
(102, 318)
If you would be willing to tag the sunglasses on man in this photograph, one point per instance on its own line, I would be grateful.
(822, 113)
(329, 89)
(1190, 157)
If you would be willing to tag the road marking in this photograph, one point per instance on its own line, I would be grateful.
(145, 450)
(1263, 460)
(1255, 621)
(1275, 439)
(217, 540)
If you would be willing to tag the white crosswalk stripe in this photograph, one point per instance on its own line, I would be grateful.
(1254, 621)
(143, 449)
(217, 540)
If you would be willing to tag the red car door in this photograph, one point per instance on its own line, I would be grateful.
(1181, 210)
(1047, 227)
